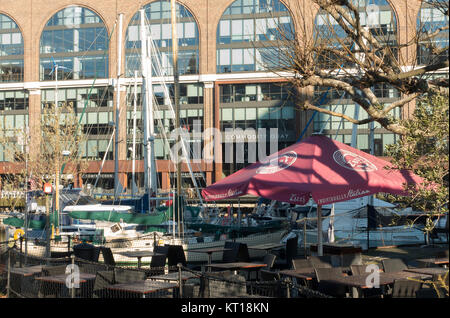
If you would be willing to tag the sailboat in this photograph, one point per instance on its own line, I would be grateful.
(191, 226)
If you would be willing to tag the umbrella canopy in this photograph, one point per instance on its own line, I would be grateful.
(318, 167)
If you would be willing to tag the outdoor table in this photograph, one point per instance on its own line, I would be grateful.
(174, 276)
(27, 271)
(435, 260)
(209, 251)
(23, 280)
(306, 273)
(266, 247)
(237, 265)
(144, 289)
(428, 270)
(359, 282)
(139, 255)
(86, 282)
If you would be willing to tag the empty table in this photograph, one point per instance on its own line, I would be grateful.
(143, 289)
(139, 255)
(209, 251)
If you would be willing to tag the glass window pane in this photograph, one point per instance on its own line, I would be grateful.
(224, 57)
(224, 28)
(237, 57)
(227, 114)
(239, 114)
(250, 113)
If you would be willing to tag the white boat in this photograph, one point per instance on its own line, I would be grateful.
(350, 225)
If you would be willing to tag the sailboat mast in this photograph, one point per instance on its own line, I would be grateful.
(177, 109)
(116, 133)
(147, 109)
(133, 173)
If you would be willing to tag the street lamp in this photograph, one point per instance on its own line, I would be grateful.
(64, 153)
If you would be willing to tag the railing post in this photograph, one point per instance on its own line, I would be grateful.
(180, 280)
(21, 252)
(8, 281)
(72, 276)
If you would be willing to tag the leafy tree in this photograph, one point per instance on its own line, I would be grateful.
(424, 150)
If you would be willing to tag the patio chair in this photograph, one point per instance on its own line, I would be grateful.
(320, 261)
(301, 263)
(122, 275)
(157, 265)
(175, 255)
(48, 289)
(102, 280)
(161, 249)
(229, 286)
(238, 252)
(367, 292)
(391, 265)
(285, 261)
(358, 269)
(269, 260)
(351, 259)
(328, 288)
(405, 288)
(267, 275)
(108, 256)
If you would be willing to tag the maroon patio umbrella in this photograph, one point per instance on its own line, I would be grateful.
(318, 167)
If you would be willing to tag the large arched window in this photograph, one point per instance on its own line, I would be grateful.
(11, 51)
(431, 18)
(158, 20)
(74, 38)
(249, 35)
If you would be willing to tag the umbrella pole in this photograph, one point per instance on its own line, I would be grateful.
(319, 231)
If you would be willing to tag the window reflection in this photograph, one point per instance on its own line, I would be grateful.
(244, 34)
(430, 19)
(76, 39)
(11, 51)
(158, 19)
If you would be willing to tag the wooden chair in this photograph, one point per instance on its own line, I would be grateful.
(301, 263)
(238, 252)
(108, 256)
(351, 259)
(320, 261)
(393, 265)
(175, 255)
(405, 288)
(48, 289)
(331, 289)
(267, 275)
(157, 265)
(122, 275)
(358, 269)
(102, 280)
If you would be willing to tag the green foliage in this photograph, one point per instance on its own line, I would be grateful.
(424, 150)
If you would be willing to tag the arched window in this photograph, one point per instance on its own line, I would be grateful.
(76, 40)
(431, 18)
(11, 51)
(158, 20)
(249, 35)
